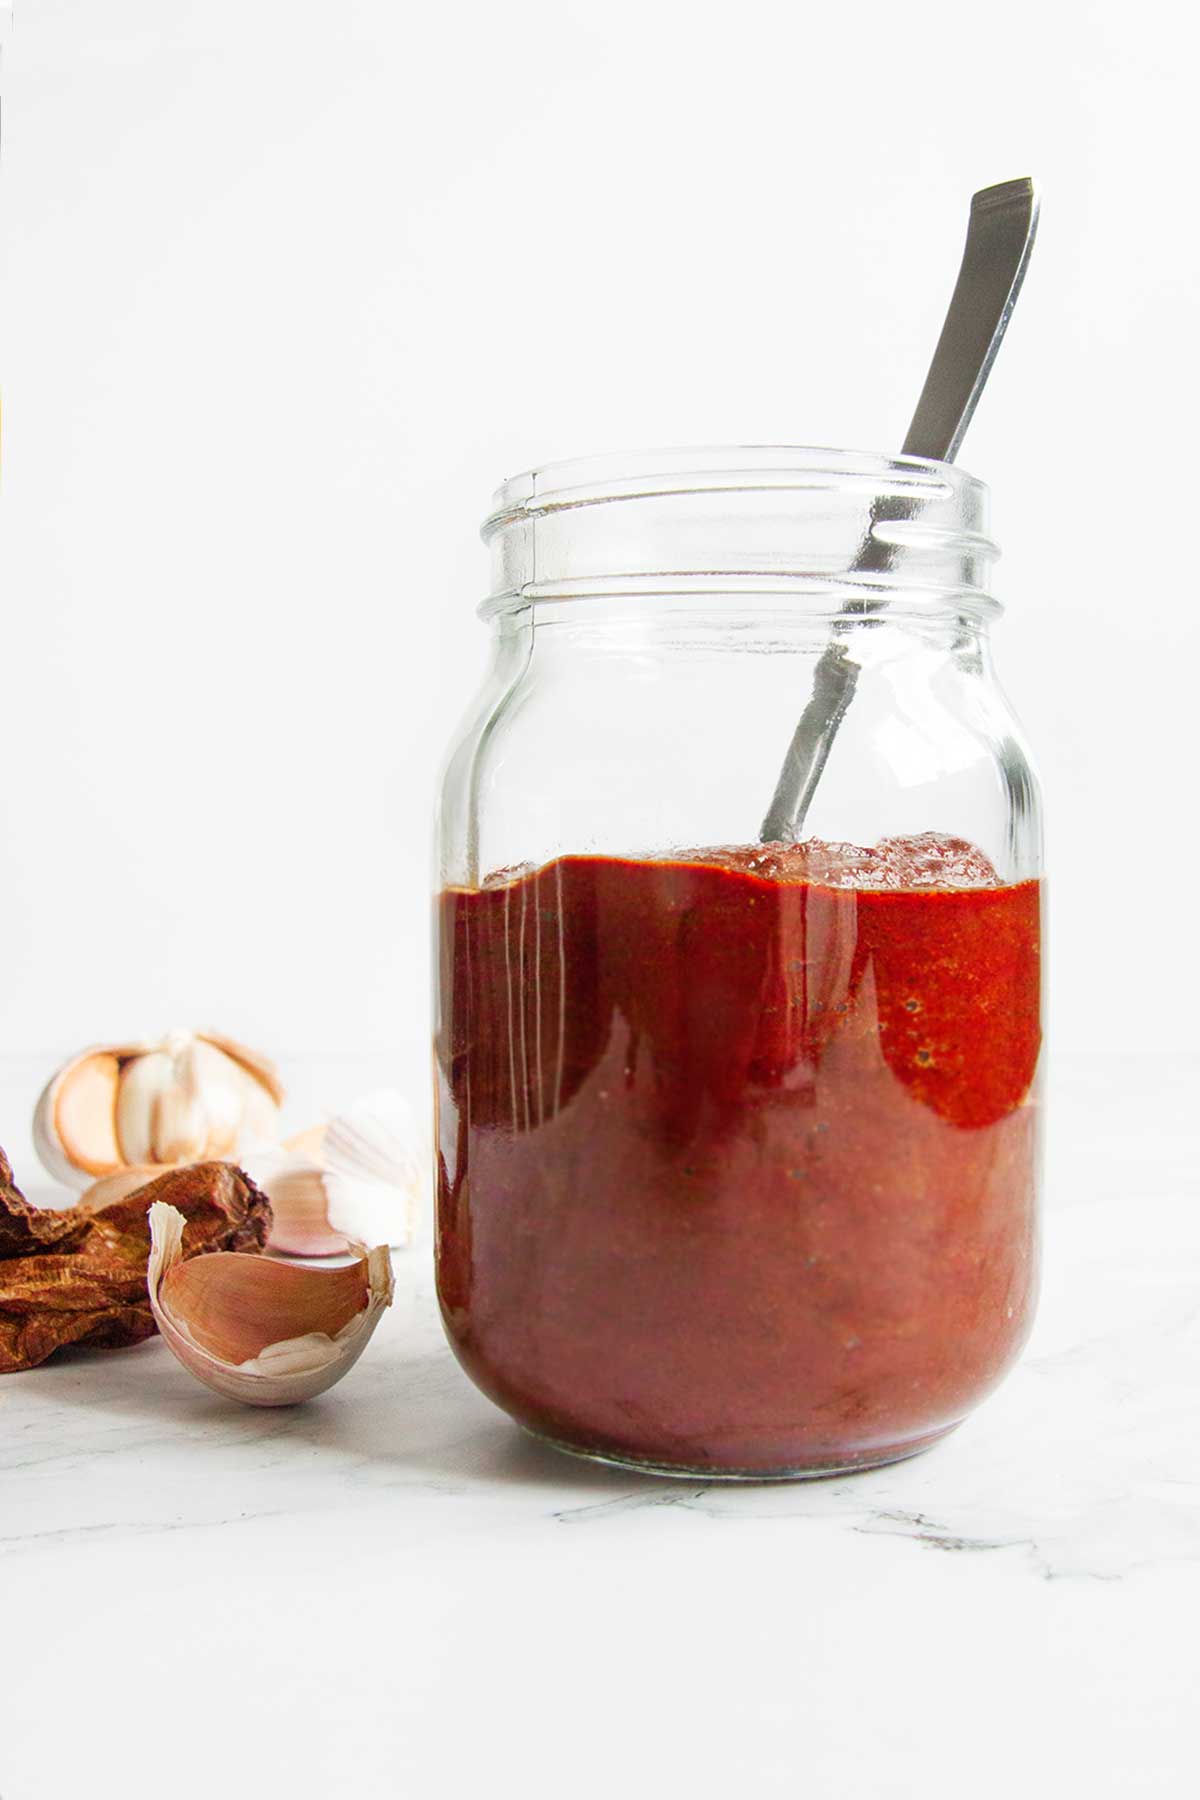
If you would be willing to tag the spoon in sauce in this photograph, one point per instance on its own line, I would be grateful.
(999, 241)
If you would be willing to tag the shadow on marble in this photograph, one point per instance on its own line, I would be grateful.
(403, 1420)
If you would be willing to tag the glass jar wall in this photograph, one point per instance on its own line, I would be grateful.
(737, 1138)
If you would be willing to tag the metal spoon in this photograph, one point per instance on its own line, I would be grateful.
(999, 240)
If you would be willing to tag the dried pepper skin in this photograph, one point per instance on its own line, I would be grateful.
(79, 1276)
(26, 1229)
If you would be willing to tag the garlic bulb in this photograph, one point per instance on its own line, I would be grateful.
(264, 1332)
(357, 1179)
(194, 1096)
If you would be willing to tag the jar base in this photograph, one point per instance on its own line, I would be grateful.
(869, 1459)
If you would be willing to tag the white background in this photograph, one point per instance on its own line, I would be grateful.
(289, 287)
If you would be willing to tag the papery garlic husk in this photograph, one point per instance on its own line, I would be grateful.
(264, 1332)
(193, 1096)
(357, 1179)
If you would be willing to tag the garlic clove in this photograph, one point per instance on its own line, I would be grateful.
(85, 1112)
(260, 1068)
(378, 1139)
(188, 1100)
(357, 1179)
(75, 1124)
(264, 1332)
(379, 1165)
(238, 1105)
(307, 1143)
(160, 1118)
(300, 1203)
(193, 1096)
(371, 1211)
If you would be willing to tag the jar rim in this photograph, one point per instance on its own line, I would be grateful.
(867, 526)
(733, 468)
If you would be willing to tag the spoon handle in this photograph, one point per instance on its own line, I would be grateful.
(999, 241)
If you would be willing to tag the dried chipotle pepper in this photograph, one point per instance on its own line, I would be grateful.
(79, 1276)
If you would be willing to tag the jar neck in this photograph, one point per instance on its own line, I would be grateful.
(718, 625)
(823, 533)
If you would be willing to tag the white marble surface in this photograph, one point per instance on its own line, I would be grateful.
(393, 1592)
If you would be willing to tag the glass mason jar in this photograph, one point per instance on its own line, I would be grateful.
(737, 1123)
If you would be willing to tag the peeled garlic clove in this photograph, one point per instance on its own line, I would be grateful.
(264, 1332)
(192, 1097)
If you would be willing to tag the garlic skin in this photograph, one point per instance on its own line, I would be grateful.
(301, 1204)
(357, 1179)
(377, 1144)
(263, 1332)
(190, 1097)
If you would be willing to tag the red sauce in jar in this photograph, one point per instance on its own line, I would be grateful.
(737, 1151)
